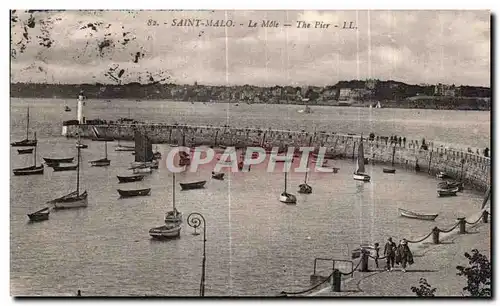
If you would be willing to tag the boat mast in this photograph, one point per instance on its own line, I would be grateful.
(173, 192)
(105, 150)
(285, 181)
(393, 152)
(34, 156)
(27, 123)
(78, 173)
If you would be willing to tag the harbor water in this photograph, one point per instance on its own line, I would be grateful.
(255, 244)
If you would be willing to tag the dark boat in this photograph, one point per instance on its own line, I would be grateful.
(193, 185)
(32, 169)
(305, 188)
(447, 192)
(67, 109)
(103, 162)
(218, 176)
(414, 215)
(386, 170)
(128, 179)
(134, 193)
(286, 197)
(451, 185)
(64, 168)
(25, 151)
(29, 170)
(40, 215)
(56, 161)
(103, 139)
(26, 142)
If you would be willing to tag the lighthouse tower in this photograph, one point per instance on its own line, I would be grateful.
(81, 103)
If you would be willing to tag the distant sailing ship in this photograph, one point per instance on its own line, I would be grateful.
(26, 142)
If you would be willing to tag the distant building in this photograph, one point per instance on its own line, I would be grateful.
(345, 94)
(446, 90)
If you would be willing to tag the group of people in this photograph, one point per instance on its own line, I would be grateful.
(395, 254)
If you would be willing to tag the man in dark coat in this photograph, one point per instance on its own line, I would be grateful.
(405, 254)
(390, 253)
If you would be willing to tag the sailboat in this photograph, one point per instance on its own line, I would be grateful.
(73, 199)
(359, 174)
(378, 105)
(287, 198)
(304, 188)
(103, 162)
(26, 142)
(391, 170)
(143, 155)
(32, 169)
(173, 216)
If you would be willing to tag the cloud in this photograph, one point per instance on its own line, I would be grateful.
(410, 46)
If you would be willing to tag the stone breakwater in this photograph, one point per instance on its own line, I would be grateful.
(473, 169)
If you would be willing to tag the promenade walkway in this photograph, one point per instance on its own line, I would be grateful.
(436, 263)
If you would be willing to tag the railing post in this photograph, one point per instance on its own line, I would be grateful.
(435, 235)
(485, 216)
(461, 226)
(336, 280)
(364, 261)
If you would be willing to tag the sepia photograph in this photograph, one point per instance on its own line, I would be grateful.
(250, 153)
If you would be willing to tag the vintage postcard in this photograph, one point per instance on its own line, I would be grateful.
(229, 153)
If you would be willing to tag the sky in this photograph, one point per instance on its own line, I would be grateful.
(415, 47)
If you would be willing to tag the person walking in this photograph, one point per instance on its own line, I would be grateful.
(390, 253)
(405, 255)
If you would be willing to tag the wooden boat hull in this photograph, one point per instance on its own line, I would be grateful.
(33, 170)
(305, 189)
(134, 193)
(72, 202)
(451, 185)
(165, 232)
(40, 215)
(361, 177)
(124, 149)
(64, 168)
(58, 160)
(413, 215)
(25, 143)
(100, 163)
(25, 151)
(194, 185)
(385, 170)
(288, 198)
(447, 192)
(82, 146)
(128, 179)
(218, 176)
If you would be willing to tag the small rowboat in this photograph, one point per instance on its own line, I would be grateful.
(29, 170)
(218, 176)
(134, 193)
(25, 143)
(451, 185)
(25, 151)
(447, 192)
(132, 178)
(56, 161)
(82, 146)
(168, 231)
(414, 215)
(103, 162)
(361, 177)
(64, 168)
(120, 148)
(40, 215)
(193, 185)
(442, 175)
(305, 189)
(288, 198)
(386, 170)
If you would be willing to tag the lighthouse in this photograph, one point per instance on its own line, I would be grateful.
(81, 103)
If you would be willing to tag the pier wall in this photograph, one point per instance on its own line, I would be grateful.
(475, 170)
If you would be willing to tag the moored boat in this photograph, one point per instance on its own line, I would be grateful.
(40, 215)
(442, 175)
(193, 185)
(451, 185)
(82, 146)
(67, 109)
(64, 168)
(387, 170)
(167, 231)
(25, 151)
(103, 162)
(74, 199)
(218, 176)
(29, 170)
(122, 148)
(131, 178)
(447, 192)
(286, 197)
(414, 215)
(26, 142)
(173, 216)
(141, 170)
(57, 161)
(134, 192)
